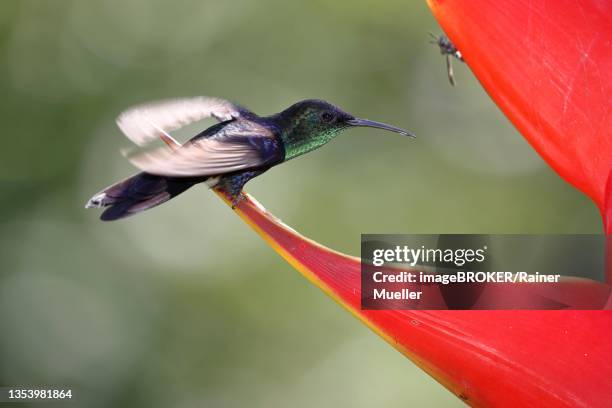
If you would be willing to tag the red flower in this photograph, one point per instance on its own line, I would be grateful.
(487, 358)
(546, 64)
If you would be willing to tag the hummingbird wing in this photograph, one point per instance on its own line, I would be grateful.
(238, 145)
(143, 123)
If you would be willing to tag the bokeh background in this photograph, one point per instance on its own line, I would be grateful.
(184, 305)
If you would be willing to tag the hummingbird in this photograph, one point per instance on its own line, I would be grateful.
(241, 146)
(448, 49)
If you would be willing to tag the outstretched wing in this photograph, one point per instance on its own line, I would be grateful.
(144, 123)
(239, 145)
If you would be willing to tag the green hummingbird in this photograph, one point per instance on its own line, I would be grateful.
(227, 155)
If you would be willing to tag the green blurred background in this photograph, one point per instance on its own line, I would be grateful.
(184, 305)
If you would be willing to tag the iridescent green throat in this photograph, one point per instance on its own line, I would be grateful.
(296, 144)
(303, 136)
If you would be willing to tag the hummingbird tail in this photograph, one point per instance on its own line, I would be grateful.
(137, 193)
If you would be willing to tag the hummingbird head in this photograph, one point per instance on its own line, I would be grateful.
(311, 123)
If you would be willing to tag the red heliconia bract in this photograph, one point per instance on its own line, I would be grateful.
(487, 358)
(545, 64)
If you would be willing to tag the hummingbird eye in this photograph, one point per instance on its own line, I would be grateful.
(327, 117)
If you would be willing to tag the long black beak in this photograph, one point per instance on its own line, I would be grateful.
(371, 123)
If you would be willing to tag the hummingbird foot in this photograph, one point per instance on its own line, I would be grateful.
(232, 185)
(237, 199)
